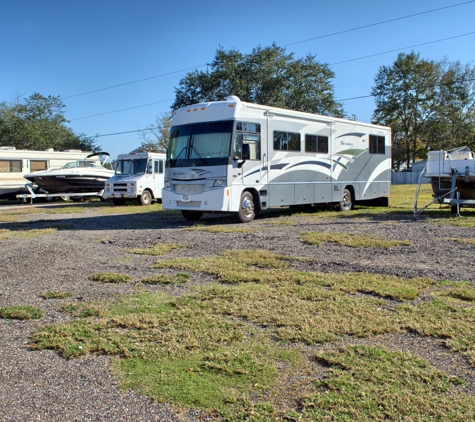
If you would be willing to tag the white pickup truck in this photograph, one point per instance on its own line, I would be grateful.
(139, 177)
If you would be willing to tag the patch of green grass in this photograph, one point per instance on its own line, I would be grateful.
(231, 346)
(21, 312)
(220, 229)
(7, 234)
(464, 240)
(369, 383)
(167, 279)
(158, 249)
(351, 240)
(110, 277)
(56, 294)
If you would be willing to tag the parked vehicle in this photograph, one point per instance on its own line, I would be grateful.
(16, 163)
(82, 176)
(232, 156)
(138, 177)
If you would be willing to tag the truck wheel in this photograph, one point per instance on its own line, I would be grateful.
(246, 211)
(346, 203)
(146, 198)
(118, 201)
(191, 215)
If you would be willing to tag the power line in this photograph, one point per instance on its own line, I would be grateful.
(378, 23)
(122, 109)
(286, 45)
(134, 82)
(403, 48)
(332, 64)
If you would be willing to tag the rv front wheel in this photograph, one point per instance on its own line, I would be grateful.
(246, 211)
(346, 203)
(146, 198)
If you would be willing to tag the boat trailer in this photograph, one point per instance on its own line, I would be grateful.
(50, 196)
(452, 197)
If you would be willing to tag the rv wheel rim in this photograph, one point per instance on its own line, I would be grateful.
(247, 207)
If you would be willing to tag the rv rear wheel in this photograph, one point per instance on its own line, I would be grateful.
(246, 211)
(346, 203)
(191, 215)
(146, 198)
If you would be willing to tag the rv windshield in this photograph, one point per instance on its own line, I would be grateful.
(131, 166)
(200, 144)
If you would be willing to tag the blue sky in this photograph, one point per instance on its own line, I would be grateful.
(68, 47)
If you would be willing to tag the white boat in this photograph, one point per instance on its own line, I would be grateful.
(87, 175)
(16, 163)
(452, 173)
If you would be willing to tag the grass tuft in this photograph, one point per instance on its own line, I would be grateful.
(110, 278)
(21, 312)
(351, 240)
(56, 294)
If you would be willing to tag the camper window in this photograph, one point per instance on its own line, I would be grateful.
(315, 143)
(10, 166)
(37, 165)
(376, 144)
(286, 141)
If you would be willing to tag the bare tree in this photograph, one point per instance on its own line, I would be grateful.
(155, 136)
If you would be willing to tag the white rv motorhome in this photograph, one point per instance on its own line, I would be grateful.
(232, 156)
(138, 176)
(14, 163)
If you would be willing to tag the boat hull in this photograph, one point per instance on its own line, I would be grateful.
(70, 184)
(442, 186)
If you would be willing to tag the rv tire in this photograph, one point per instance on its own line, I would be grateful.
(118, 201)
(191, 215)
(346, 203)
(146, 198)
(246, 211)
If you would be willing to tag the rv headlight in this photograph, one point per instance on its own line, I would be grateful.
(167, 184)
(218, 183)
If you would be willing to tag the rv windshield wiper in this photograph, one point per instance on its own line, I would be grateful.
(174, 160)
(192, 146)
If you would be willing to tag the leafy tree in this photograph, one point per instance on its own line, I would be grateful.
(405, 95)
(155, 136)
(38, 123)
(428, 104)
(266, 76)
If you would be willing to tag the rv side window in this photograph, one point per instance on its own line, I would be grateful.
(10, 166)
(376, 144)
(158, 166)
(247, 133)
(315, 143)
(286, 141)
(37, 165)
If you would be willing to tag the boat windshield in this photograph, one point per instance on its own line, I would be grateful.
(77, 164)
(200, 144)
(131, 166)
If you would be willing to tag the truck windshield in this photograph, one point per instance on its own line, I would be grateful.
(200, 144)
(131, 166)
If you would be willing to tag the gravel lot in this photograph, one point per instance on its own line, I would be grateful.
(43, 386)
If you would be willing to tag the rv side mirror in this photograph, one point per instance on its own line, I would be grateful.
(245, 154)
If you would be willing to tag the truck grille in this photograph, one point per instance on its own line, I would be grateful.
(189, 189)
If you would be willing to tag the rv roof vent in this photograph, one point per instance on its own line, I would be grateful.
(72, 150)
(233, 98)
(7, 148)
(49, 149)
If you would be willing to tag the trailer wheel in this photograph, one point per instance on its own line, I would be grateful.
(118, 201)
(346, 203)
(146, 198)
(246, 211)
(191, 215)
